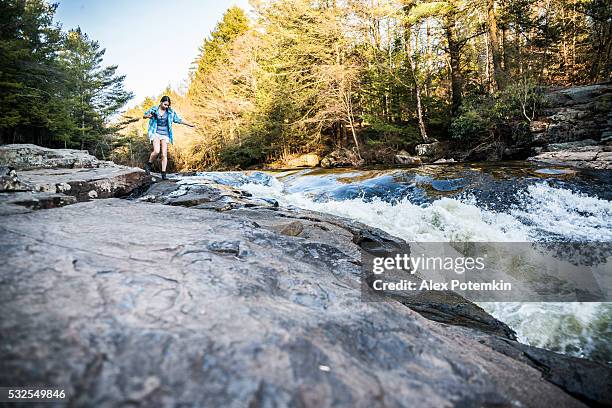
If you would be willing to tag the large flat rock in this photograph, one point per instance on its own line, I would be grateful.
(30, 156)
(128, 303)
(87, 183)
(590, 157)
(65, 171)
(35, 200)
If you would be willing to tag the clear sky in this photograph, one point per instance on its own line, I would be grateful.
(153, 43)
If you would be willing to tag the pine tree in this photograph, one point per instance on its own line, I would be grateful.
(31, 106)
(54, 90)
(94, 92)
(216, 48)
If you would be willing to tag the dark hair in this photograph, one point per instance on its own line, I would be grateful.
(165, 98)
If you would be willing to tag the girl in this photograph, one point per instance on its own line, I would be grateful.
(160, 131)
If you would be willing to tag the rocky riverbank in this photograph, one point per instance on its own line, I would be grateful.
(574, 128)
(201, 295)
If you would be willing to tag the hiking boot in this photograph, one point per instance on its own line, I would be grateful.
(164, 177)
(148, 168)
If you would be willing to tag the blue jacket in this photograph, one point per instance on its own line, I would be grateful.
(172, 117)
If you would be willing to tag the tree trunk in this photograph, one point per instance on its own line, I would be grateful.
(505, 57)
(428, 51)
(417, 90)
(519, 51)
(498, 72)
(348, 105)
(455, 59)
(602, 53)
(419, 107)
(352, 123)
(488, 66)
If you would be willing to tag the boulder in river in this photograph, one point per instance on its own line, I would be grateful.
(403, 157)
(341, 158)
(297, 160)
(444, 161)
(431, 151)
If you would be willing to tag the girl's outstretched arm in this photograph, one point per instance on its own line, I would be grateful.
(177, 119)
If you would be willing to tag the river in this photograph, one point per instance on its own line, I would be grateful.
(494, 202)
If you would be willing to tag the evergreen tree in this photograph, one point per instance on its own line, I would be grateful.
(54, 90)
(94, 92)
(215, 50)
(31, 81)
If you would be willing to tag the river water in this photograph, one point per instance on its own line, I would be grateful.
(500, 202)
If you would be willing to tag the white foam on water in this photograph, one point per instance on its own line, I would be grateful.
(579, 329)
(556, 211)
(544, 210)
(444, 220)
(574, 328)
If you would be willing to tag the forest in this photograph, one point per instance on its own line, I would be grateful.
(305, 76)
(54, 89)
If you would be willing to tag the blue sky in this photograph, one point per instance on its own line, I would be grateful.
(153, 43)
